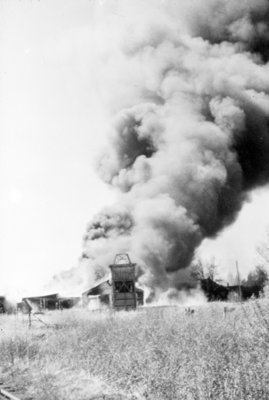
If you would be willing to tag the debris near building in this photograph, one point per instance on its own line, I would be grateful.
(118, 292)
(46, 302)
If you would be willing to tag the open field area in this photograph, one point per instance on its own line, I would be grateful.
(154, 353)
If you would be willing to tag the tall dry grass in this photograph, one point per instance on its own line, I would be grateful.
(154, 353)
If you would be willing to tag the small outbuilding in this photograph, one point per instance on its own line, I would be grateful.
(39, 303)
(98, 295)
(47, 302)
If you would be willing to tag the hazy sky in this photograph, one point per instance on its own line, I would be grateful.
(53, 121)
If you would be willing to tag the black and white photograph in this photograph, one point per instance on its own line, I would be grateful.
(134, 200)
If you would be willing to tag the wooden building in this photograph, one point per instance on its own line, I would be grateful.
(47, 302)
(119, 292)
(39, 303)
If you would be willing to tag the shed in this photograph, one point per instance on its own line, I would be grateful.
(43, 302)
(47, 302)
(98, 295)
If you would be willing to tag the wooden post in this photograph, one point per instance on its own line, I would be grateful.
(28, 304)
(29, 317)
(239, 282)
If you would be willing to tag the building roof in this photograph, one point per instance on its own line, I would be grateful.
(101, 285)
(53, 296)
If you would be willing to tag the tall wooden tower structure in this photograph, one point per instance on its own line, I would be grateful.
(123, 283)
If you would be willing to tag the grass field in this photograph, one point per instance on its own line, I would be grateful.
(154, 353)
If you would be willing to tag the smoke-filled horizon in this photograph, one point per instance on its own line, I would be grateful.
(189, 138)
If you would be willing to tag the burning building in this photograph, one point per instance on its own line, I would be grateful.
(119, 292)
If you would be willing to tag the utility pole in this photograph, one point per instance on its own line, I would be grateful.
(239, 282)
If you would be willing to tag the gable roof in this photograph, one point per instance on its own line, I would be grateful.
(101, 283)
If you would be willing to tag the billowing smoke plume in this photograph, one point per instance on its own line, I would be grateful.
(188, 84)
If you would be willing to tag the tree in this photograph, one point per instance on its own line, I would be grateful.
(197, 270)
(202, 270)
(212, 269)
(258, 277)
(263, 248)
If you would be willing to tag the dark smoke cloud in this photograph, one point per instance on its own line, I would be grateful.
(190, 137)
(109, 223)
(134, 138)
(244, 24)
